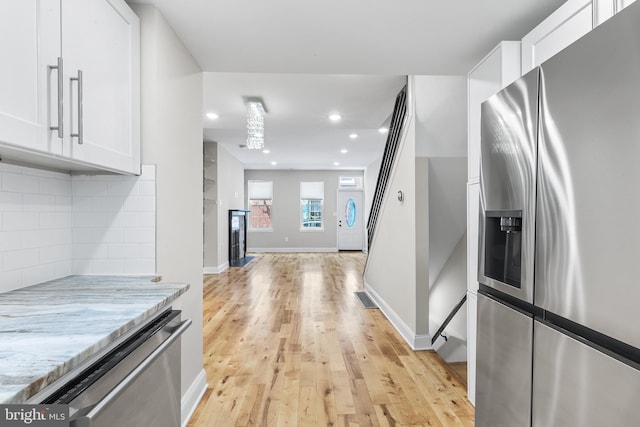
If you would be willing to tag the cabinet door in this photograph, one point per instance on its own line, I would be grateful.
(30, 30)
(100, 45)
(571, 21)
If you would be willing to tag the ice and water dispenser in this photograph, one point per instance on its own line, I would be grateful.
(503, 246)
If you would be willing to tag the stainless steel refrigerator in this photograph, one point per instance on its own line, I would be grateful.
(559, 267)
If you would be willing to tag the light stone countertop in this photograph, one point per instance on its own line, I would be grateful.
(48, 329)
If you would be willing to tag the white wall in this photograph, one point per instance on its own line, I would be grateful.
(447, 210)
(390, 275)
(172, 140)
(285, 218)
(230, 185)
(441, 116)
(444, 294)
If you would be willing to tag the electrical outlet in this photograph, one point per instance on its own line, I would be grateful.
(286, 239)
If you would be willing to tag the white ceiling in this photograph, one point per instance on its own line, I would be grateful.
(307, 59)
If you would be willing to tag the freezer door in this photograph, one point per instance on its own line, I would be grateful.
(576, 385)
(588, 237)
(504, 353)
(507, 188)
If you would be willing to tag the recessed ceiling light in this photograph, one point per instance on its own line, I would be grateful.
(353, 136)
(336, 163)
(274, 163)
(344, 151)
(383, 130)
(335, 117)
(212, 116)
(265, 151)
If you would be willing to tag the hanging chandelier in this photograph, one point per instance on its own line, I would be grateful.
(255, 123)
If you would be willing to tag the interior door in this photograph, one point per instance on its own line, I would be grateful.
(350, 220)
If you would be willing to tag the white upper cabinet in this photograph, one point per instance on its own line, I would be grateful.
(70, 84)
(29, 46)
(571, 21)
(100, 47)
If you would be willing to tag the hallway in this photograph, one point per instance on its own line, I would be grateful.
(286, 342)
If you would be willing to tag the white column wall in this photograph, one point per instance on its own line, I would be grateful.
(171, 101)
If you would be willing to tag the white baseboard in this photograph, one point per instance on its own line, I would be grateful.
(216, 270)
(192, 397)
(416, 342)
(262, 250)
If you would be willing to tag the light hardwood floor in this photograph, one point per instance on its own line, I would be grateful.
(287, 343)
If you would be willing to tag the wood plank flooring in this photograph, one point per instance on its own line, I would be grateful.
(287, 343)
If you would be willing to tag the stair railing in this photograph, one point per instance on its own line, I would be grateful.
(388, 159)
(453, 312)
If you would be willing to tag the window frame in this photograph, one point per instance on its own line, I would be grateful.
(250, 206)
(306, 202)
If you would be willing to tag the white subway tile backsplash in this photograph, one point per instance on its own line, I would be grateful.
(147, 188)
(138, 266)
(19, 182)
(107, 266)
(147, 250)
(107, 204)
(58, 186)
(38, 274)
(53, 224)
(82, 204)
(90, 251)
(125, 220)
(10, 201)
(31, 239)
(140, 235)
(92, 188)
(148, 173)
(16, 221)
(64, 203)
(140, 204)
(92, 219)
(10, 280)
(38, 202)
(81, 266)
(14, 260)
(124, 251)
(54, 254)
(107, 235)
(63, 268)
(147, 219)
(81, 235)
(127, 187)
(9, 241)
(55, 220)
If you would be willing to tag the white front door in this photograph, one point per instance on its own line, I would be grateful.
(350, 219)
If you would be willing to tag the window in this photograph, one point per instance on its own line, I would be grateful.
(350, 182)
(311, 201)
(260, 201)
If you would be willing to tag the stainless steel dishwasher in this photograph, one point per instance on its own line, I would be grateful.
(137, 384)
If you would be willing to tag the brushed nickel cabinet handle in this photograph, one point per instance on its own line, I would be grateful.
(60, 96)
(79, 135)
